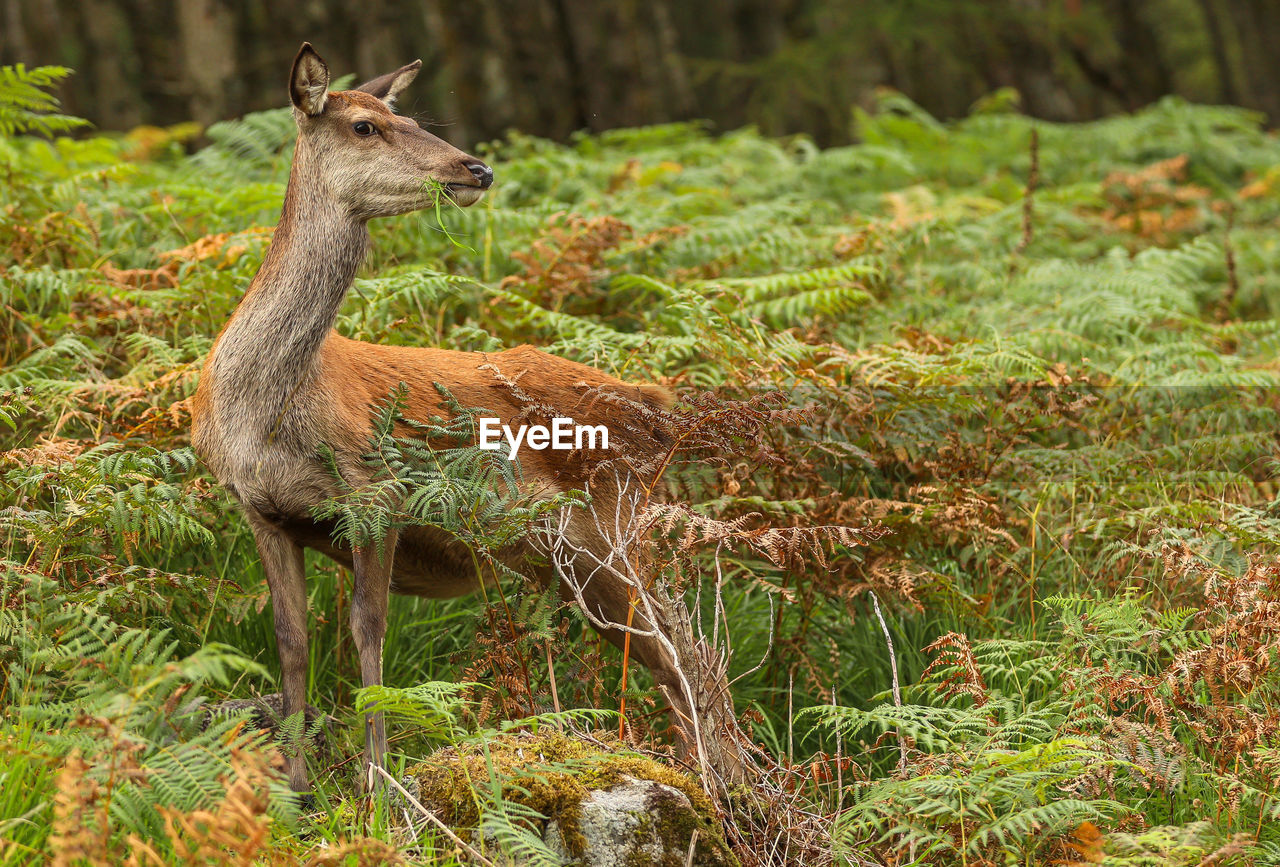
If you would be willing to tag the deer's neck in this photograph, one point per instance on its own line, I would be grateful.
(269, 350)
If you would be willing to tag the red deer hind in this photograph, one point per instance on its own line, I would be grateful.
(280, 383)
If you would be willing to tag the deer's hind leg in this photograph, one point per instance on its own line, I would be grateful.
(282, 560)
(614, 612)
(369, 602)
(594, 574)
(623, 605)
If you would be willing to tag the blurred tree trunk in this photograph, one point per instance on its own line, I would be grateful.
(1015, 49)
(623, 60)
(1218, 48)
(110, 61)
(1144, 74)
(13, 34)
(1257, 25)
(377, 28)
(207, 31)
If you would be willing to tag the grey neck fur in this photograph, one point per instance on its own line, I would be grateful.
(268, 353)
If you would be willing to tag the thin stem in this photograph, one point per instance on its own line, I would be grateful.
(431, 817)
(897, 689)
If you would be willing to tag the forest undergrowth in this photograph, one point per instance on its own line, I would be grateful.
(1032, 366)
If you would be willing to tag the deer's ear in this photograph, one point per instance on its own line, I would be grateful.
(309, 81)
(387, 87)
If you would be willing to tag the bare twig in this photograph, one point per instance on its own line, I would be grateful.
(698, 689)
(791, 716)
(693, 844)
(618, 562)
(432, 817)
(551, 673)
(893, 665)
(765, 655)
(719, 612)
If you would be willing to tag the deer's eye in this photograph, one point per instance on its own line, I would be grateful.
(364, 128)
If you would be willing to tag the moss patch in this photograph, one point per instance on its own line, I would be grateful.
(553, 773)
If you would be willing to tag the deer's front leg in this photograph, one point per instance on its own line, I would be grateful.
(369, 628)
(282, 561)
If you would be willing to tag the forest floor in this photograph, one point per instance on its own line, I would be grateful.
(1037, 368)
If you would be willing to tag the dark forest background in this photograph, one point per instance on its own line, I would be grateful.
(551, 67)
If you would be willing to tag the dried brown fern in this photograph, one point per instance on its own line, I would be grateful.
(956, 669)
(234, 831)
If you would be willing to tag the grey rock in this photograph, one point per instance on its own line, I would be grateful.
(637, 822)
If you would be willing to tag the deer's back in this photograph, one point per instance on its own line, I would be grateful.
(272, 467)
(515, 385)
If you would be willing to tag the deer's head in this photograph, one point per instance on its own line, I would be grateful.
(372, 161)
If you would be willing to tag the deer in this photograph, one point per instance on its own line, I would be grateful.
(280, 383)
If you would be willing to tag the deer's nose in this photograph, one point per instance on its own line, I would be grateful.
(483, 174)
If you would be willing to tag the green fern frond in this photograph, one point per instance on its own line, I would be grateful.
(26, 107)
